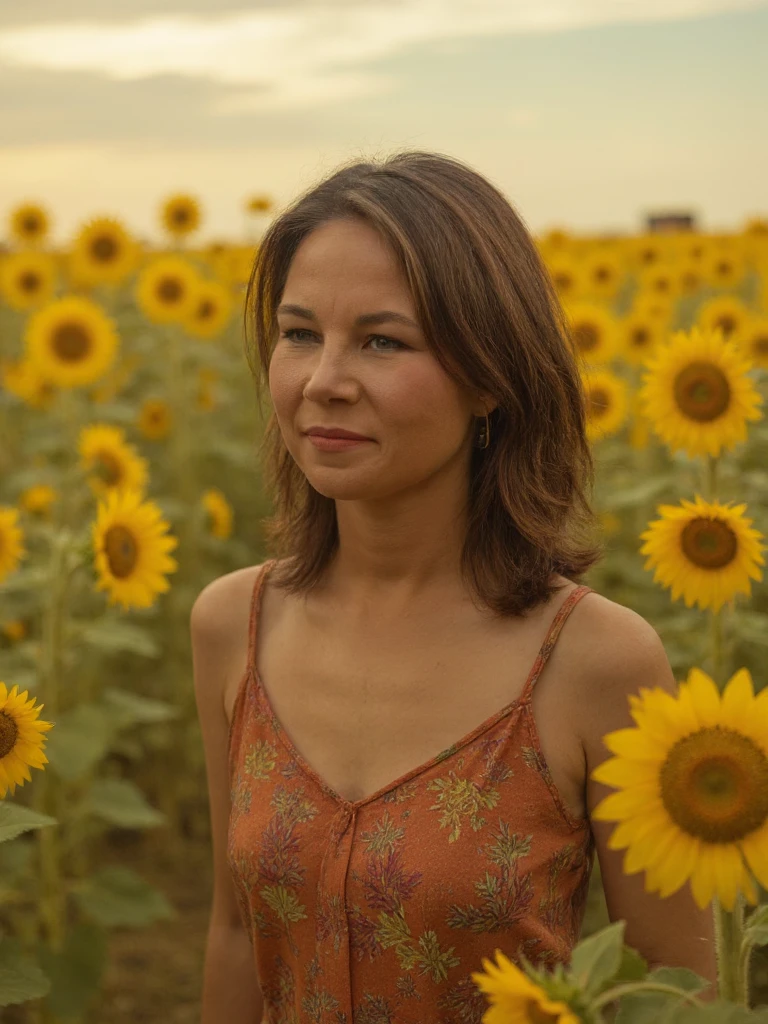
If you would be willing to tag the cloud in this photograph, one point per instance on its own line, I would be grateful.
(300, 55)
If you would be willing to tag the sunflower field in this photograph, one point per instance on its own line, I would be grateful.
(130, 478)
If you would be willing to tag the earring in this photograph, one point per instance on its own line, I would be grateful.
(484, 434)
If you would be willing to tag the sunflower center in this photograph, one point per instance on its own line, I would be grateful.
(534, 1013)
(714, 784)
(71, 342)
(587, 337)
(104, 248)
(702, 391)
(640, 336)
(662, 284)
(602, 274)
(563, 280)
(726, 322)
(29, 281)
(599, 401)
(760, 344)
(8, 733)
(31, 224)
(724, 267)
(121, 549)
(169, 289)
(108, 468)
(181, 215)
(709, 543)
(648, 256)
(205, 310)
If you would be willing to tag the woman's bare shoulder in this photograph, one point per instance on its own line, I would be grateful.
(223, 605)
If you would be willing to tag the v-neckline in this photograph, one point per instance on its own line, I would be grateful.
(352, 805)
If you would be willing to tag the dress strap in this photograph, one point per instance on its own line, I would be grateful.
(545, 650)
(253, 623)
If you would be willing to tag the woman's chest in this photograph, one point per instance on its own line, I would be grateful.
(363, 706)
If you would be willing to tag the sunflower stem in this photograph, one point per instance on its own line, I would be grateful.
(732, 980)
(47, 794)
(612, 994)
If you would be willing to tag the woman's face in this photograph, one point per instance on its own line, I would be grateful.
(380, 380)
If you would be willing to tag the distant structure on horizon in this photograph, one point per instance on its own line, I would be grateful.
(669, 222)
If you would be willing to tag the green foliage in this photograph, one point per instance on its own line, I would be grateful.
(20, 978)
(120, 802)
(15, 819)
(117, 897)
(75, 972)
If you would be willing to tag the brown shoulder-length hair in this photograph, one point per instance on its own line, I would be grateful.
(491, 316)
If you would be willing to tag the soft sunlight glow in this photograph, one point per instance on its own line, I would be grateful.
(297, 55)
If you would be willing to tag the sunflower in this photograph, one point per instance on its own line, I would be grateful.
(704, 551)
(515, 998)
(259, 204)
(21, 738)
(725, 312)
(594, 331)
(14, 630)
(29, 223)
(690, 277)
(241, 264)
(697, 393)
(11, 540)
(648, 251)
(115, 463)
(757, 227)
(752, 340)
(27, 279)
(639, 336)
(602, 273)
(166, 289)
(607, 402)
(180, 215)
(660, 280)
(724, 268)
(23, 379)
(567, 276)
(220, 513)
(72, 341)
(37, 500)
(103, 252)
(556, 238)
(211, 311)
(155, 419)
(131, 544)
(693, 799)
(659, 308)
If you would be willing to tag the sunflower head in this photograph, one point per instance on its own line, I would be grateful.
(180, 215)
(594, 331)
(110, 460)
(29, 223)
(693, 802)
(607, 402)
(103, 252)
(706, 552)
(259, 204)
(155, 419)
(27, 279)
(513, 996)
(72, 341)
(21, 738)
(12, 548)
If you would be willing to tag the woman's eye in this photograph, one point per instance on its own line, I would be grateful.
(294, 332)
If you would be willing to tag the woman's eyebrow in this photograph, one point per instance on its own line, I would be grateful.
(366, 320)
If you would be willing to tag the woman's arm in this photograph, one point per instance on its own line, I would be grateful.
(619, 653)
(231, 990)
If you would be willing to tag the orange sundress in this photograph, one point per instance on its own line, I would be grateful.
(377, 911)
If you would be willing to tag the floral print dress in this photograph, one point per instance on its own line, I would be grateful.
(377, 911)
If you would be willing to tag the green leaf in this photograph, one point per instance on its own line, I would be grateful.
(128, 708)
(597, 958)
(79, 741)
(15, 819)
(76, 971)
(120, 802)
(756, 927)
(20, 978)
(117, 897)
(32, 577)
(15, 858)
(116, 636)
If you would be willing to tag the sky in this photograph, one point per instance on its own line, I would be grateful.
(588, 114)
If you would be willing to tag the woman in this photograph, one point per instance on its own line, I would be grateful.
(397, 785)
